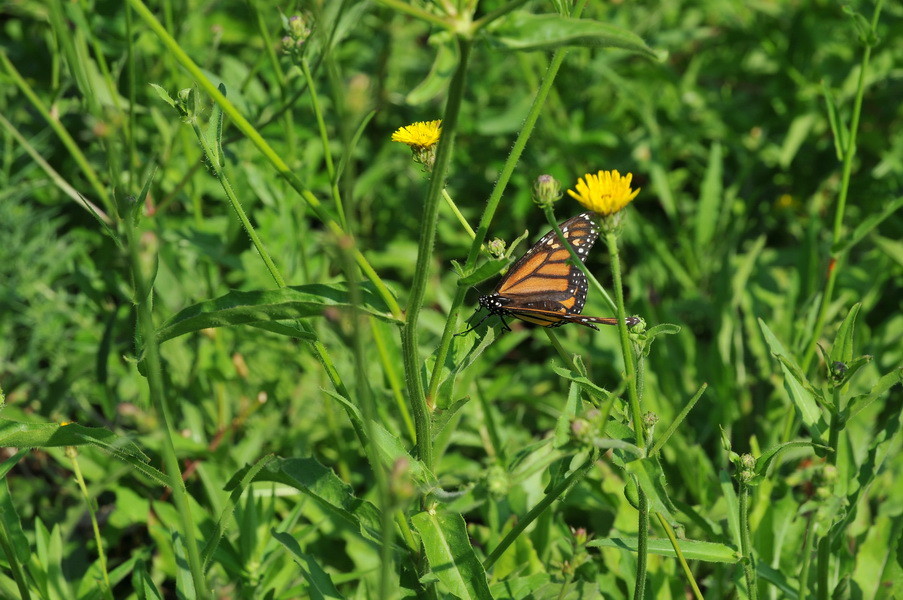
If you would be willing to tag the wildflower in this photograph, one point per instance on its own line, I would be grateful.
(546, 190)
(605, 193)
(422, 137)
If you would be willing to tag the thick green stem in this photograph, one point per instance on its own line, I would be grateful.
(409, 342)
(154, 371)
(749, 565)
(611, 239)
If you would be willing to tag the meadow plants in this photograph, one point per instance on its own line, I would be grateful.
(232, 351)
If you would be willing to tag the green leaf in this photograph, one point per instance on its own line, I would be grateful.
(858, 403)
(450, 554)
(213, 135)
(764, 461)
(526, 31)
(440, 74)
(709, 207)
(164, 95)
(13, 534)
(732, 506)
(391, 449)
(237, 485)
(144, 586)
(651, 478)
(329, 492)
(866, 226)
(184, 580)
(801, 391)
(488, 269)
(320, 585)
(568, 414)
(691, 549)
(842, 350)
(51, 435)
(236, 308)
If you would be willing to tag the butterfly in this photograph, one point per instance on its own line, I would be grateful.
(543, 287)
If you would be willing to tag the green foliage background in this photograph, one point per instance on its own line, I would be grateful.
(730, 137)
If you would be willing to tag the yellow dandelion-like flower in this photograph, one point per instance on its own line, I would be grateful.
(605, 193)
(420, 135)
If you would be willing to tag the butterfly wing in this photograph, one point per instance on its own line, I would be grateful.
(543, 287)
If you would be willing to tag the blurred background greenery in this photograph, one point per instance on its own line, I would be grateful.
(729, 136)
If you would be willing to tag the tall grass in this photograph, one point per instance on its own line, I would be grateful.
(229, 355)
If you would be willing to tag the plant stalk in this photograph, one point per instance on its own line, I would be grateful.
(409, 338)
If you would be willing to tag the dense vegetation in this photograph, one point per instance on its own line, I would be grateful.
(225, 292)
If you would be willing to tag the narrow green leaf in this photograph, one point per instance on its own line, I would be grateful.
(867, 225)
(440, 74)
(237, 485)
(691, 549)
(521, 30)
(567, 416)
(348, 151)
(801, 391)
(838, 132)
(450, 554)
(842, 350)
(164, 95)
(764, 461)
(733, 506)
(184, 580)
(709, 208)
(214, 133)
(13, 533)
(858, 403)
(236, 308)
(144, 586)
(797, 132)
(651, 478)
(320, 583)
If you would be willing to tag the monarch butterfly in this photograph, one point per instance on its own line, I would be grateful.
(543, 287)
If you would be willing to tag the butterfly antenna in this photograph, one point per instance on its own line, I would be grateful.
(475, 326)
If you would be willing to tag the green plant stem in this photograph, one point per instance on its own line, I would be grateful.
(835, 258)
(70, 144)
(558, 491)
(268, 152)
(324, 140)
(409, 339)
(611, 239)
(669, 531)
(821, 569)
(454, 208)
(154, 374)
(72, 453)
(749, 565)
(451, 322)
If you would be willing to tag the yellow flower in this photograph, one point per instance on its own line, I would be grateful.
(419, 136)
(605, 193)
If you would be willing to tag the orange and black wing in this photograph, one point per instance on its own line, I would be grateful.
(543, 287)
